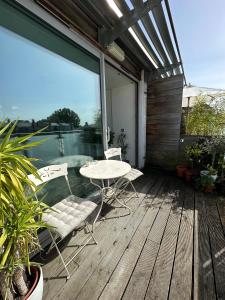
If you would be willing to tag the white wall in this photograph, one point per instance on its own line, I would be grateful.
(142, 113)
(121, 106)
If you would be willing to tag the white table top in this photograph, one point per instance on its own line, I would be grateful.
(73, 161)
(105, 169)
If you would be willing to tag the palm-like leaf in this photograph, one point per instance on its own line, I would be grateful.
(20, 213)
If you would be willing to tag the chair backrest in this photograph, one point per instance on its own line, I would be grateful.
(112, 152)
(49, 173)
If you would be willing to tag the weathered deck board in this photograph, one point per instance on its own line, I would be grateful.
(170, 247)
(110, 261)
(204, 279)
(109, 237)
(160, 280)
(106, 233)
(115, 287)
(181, 283)
(217, 242)
(138, 283)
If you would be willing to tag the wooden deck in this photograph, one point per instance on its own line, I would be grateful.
(171, 247)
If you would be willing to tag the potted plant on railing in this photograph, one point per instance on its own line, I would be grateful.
(20, 219)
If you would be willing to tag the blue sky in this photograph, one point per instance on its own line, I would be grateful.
(35, 82)
(200, 28)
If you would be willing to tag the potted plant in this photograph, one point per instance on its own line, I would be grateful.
(214, 147)
(210, 172)
(193, 155)
(188, 175)
(205, 183)
(181, 170)
(20, 218)
(208, 184)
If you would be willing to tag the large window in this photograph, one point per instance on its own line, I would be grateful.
(41, 88)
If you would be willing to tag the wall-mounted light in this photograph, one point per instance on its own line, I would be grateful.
(116, 51)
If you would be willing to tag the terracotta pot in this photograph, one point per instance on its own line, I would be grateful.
(188, 175)
(209, 189)
(181, 170)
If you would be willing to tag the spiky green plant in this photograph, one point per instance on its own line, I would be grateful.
(20, 212)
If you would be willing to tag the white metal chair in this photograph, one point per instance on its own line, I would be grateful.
(66, 215)
(124, 181)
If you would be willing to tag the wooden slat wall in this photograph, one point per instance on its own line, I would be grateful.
(164, 101)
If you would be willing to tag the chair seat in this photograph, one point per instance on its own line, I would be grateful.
(68, 214)
(133, 174)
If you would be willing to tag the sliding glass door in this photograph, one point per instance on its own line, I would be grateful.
(55, 90)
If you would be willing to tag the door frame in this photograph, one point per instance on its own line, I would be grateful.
(104, 105)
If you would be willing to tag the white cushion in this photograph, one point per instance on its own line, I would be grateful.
(68, 214)
(133, 174)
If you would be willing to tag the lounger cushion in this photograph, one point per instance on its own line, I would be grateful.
(68, 214)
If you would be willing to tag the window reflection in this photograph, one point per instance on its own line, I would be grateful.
(41, 89)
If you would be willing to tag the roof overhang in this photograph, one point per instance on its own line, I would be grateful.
(143, 29)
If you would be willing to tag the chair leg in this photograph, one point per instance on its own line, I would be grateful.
(91, 232)
(123, 204)
(134, 189)
(52, 245)
(98, 213)
(60, 255)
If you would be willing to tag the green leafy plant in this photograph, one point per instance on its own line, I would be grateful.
(211, 171)
(20, 212)
(193, 154)
(204, 182)
(214, 146)
(206, 119)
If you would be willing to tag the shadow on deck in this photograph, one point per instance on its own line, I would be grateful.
(172, 246)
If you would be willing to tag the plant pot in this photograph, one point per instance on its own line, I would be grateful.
(214, 177)
(181, 170)
(209, 189)
(206, 173)
(36, 290)
(188, 175)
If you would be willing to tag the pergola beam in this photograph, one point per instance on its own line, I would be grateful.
(107, 36)
(164, 32)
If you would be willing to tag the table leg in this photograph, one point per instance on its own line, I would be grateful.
(104, 190)
(102, 200)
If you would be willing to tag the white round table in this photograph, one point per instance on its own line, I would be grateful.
(105, 170)
(73, 161)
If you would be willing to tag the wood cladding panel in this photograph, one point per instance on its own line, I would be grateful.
(164, 103)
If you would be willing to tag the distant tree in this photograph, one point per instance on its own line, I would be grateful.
(64, 115)
(206, 118)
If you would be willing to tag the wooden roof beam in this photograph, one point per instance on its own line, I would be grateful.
(107, 36)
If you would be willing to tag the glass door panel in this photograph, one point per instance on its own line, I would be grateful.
(42, 89)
